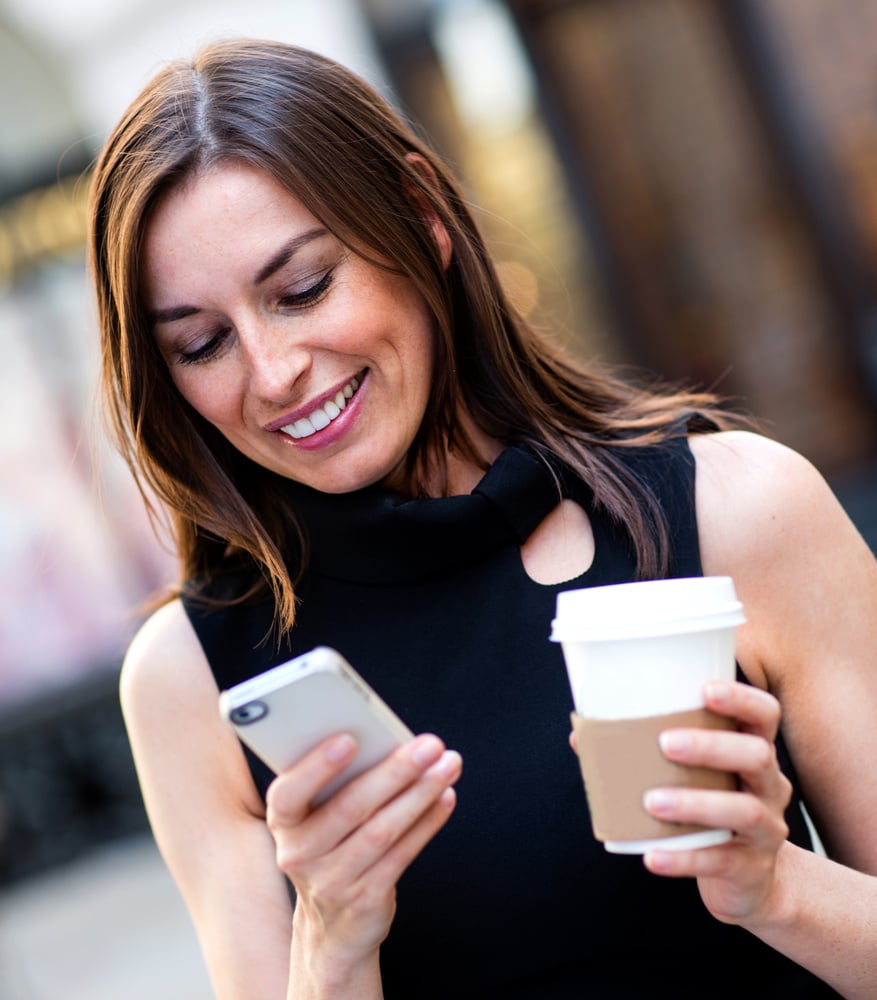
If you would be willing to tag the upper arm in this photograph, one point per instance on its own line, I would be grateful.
(808, 583)
(204, 810)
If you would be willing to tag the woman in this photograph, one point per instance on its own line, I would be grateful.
(308, 359)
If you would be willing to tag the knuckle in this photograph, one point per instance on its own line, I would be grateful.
(378, 834)
(753, 812)
(279, 804)
(763, 708)
(763, 755)
(274, 799)
(346, 806)
(274, 820)
(774, 711)
(402, 769)
(289, 857)
(785, 790)
(782, 829)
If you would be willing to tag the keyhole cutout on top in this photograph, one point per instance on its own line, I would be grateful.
(561, 548)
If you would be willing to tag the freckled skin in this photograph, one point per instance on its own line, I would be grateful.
(282, 342)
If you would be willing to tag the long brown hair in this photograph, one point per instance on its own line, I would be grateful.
(329, 138)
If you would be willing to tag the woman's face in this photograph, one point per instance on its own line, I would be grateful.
(309, 360)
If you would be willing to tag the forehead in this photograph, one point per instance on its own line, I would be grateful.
(231, 216)
(228, 190)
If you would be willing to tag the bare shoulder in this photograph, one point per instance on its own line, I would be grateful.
(746, 483)
(204, 809)
(159, 653)
(170, 703)
(762, 508)
(166, 680)
(808, 583)
(767, 518)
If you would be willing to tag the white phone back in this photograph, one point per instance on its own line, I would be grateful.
(286, 711)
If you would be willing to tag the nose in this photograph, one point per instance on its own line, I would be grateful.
(275, 358)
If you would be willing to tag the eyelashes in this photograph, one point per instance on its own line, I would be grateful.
(308, 295)
(299, 300)
(206, 350)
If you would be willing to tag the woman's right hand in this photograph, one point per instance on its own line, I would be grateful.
(345, 856)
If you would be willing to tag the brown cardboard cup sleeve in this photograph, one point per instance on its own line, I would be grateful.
(620, 760)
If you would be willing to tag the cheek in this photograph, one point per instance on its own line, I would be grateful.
(210, 393)
(425, 357)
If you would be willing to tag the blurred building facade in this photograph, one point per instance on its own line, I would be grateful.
(686, 186)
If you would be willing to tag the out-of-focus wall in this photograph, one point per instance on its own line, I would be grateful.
(635, 179)
(634, 169)
(714, 172)
(76, 552)
(78, 556)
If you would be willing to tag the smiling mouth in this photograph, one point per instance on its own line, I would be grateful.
(320, 417)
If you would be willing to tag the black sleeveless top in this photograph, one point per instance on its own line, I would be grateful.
(514, 898)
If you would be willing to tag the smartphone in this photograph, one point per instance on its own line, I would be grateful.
(284, 712)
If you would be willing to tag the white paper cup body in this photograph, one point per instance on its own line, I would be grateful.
(643, 649)
(630, 678)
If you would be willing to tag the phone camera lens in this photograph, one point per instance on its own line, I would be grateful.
(251, 712)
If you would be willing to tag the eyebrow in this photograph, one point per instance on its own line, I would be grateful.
(171, 315)
(282, 257)
(286, 253)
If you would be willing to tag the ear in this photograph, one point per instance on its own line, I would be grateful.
(430, 216)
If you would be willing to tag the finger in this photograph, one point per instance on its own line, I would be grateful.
(755, 710)
(754, 821)
(718, 749)
(324, 828)
(345, 859)
(384, 833)
(720, 861)
(357, 900)
(289, 796)
(390, 867)
(751, 757)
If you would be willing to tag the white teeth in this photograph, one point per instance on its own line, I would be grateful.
(323, 415)
(320, 419)
(303, 428)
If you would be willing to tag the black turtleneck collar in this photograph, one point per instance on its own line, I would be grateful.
(379, 536)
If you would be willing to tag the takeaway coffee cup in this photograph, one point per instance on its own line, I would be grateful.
(637, 656)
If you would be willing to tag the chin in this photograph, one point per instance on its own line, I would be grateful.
(352, 480)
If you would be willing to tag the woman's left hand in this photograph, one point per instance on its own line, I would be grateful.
(736, 878)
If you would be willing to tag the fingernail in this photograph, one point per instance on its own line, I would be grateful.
(340, 748)
(674, 741)
(716, 691)
(448, 798)
(659, 800)
(448, 764)
(426, 750)
(659, 861)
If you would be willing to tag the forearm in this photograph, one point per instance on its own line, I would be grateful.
(823, 916)
(320, 970)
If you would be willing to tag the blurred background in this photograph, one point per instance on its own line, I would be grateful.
(688, 186)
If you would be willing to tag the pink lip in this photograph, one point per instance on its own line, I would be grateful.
(339, 426)
(313, 404)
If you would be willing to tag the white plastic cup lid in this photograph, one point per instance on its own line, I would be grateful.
(646, 608)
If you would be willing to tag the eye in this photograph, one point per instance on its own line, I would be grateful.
(309, 295)
(206, 350)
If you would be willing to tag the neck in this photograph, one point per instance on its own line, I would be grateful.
(459, 470)
(464, 474)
